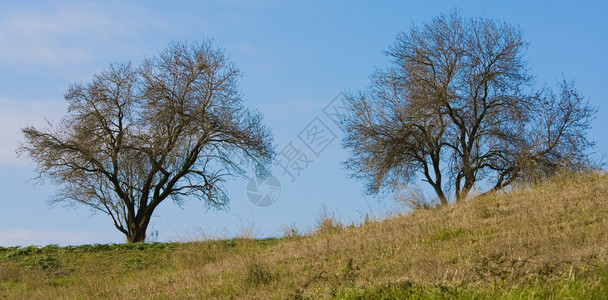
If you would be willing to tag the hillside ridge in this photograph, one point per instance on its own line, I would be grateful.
(547, 240)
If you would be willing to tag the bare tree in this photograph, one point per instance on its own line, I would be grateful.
(173, 127)
(459, 108)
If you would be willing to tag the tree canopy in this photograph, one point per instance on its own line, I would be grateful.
(458, 107)
(173, 126)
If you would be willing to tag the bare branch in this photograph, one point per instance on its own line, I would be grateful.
(458, 107)
(173, 126)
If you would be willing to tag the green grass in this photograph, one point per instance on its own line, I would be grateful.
(594, 286)
(544, 241)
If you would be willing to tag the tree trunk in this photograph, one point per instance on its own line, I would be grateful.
(443, 200)
(137, 232)
(468, 185)
(137, 236)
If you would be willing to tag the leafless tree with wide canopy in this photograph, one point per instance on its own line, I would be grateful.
(172, 127)
(458, 107)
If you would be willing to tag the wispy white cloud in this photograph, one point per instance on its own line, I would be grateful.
(41, 237)
(16, 114)
(69, 32)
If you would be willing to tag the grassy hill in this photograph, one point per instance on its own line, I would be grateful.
(545, 241)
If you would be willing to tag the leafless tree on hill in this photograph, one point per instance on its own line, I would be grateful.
(458, 107)
(173, 127)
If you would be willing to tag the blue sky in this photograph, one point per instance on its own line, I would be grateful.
(296, 56)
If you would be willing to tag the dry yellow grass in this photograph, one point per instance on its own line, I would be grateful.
(537, 238)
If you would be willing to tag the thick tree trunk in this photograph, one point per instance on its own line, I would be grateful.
(137, 231)
(468, 185)
(138, 236)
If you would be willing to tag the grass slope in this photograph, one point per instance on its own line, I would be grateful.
(546, 241)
